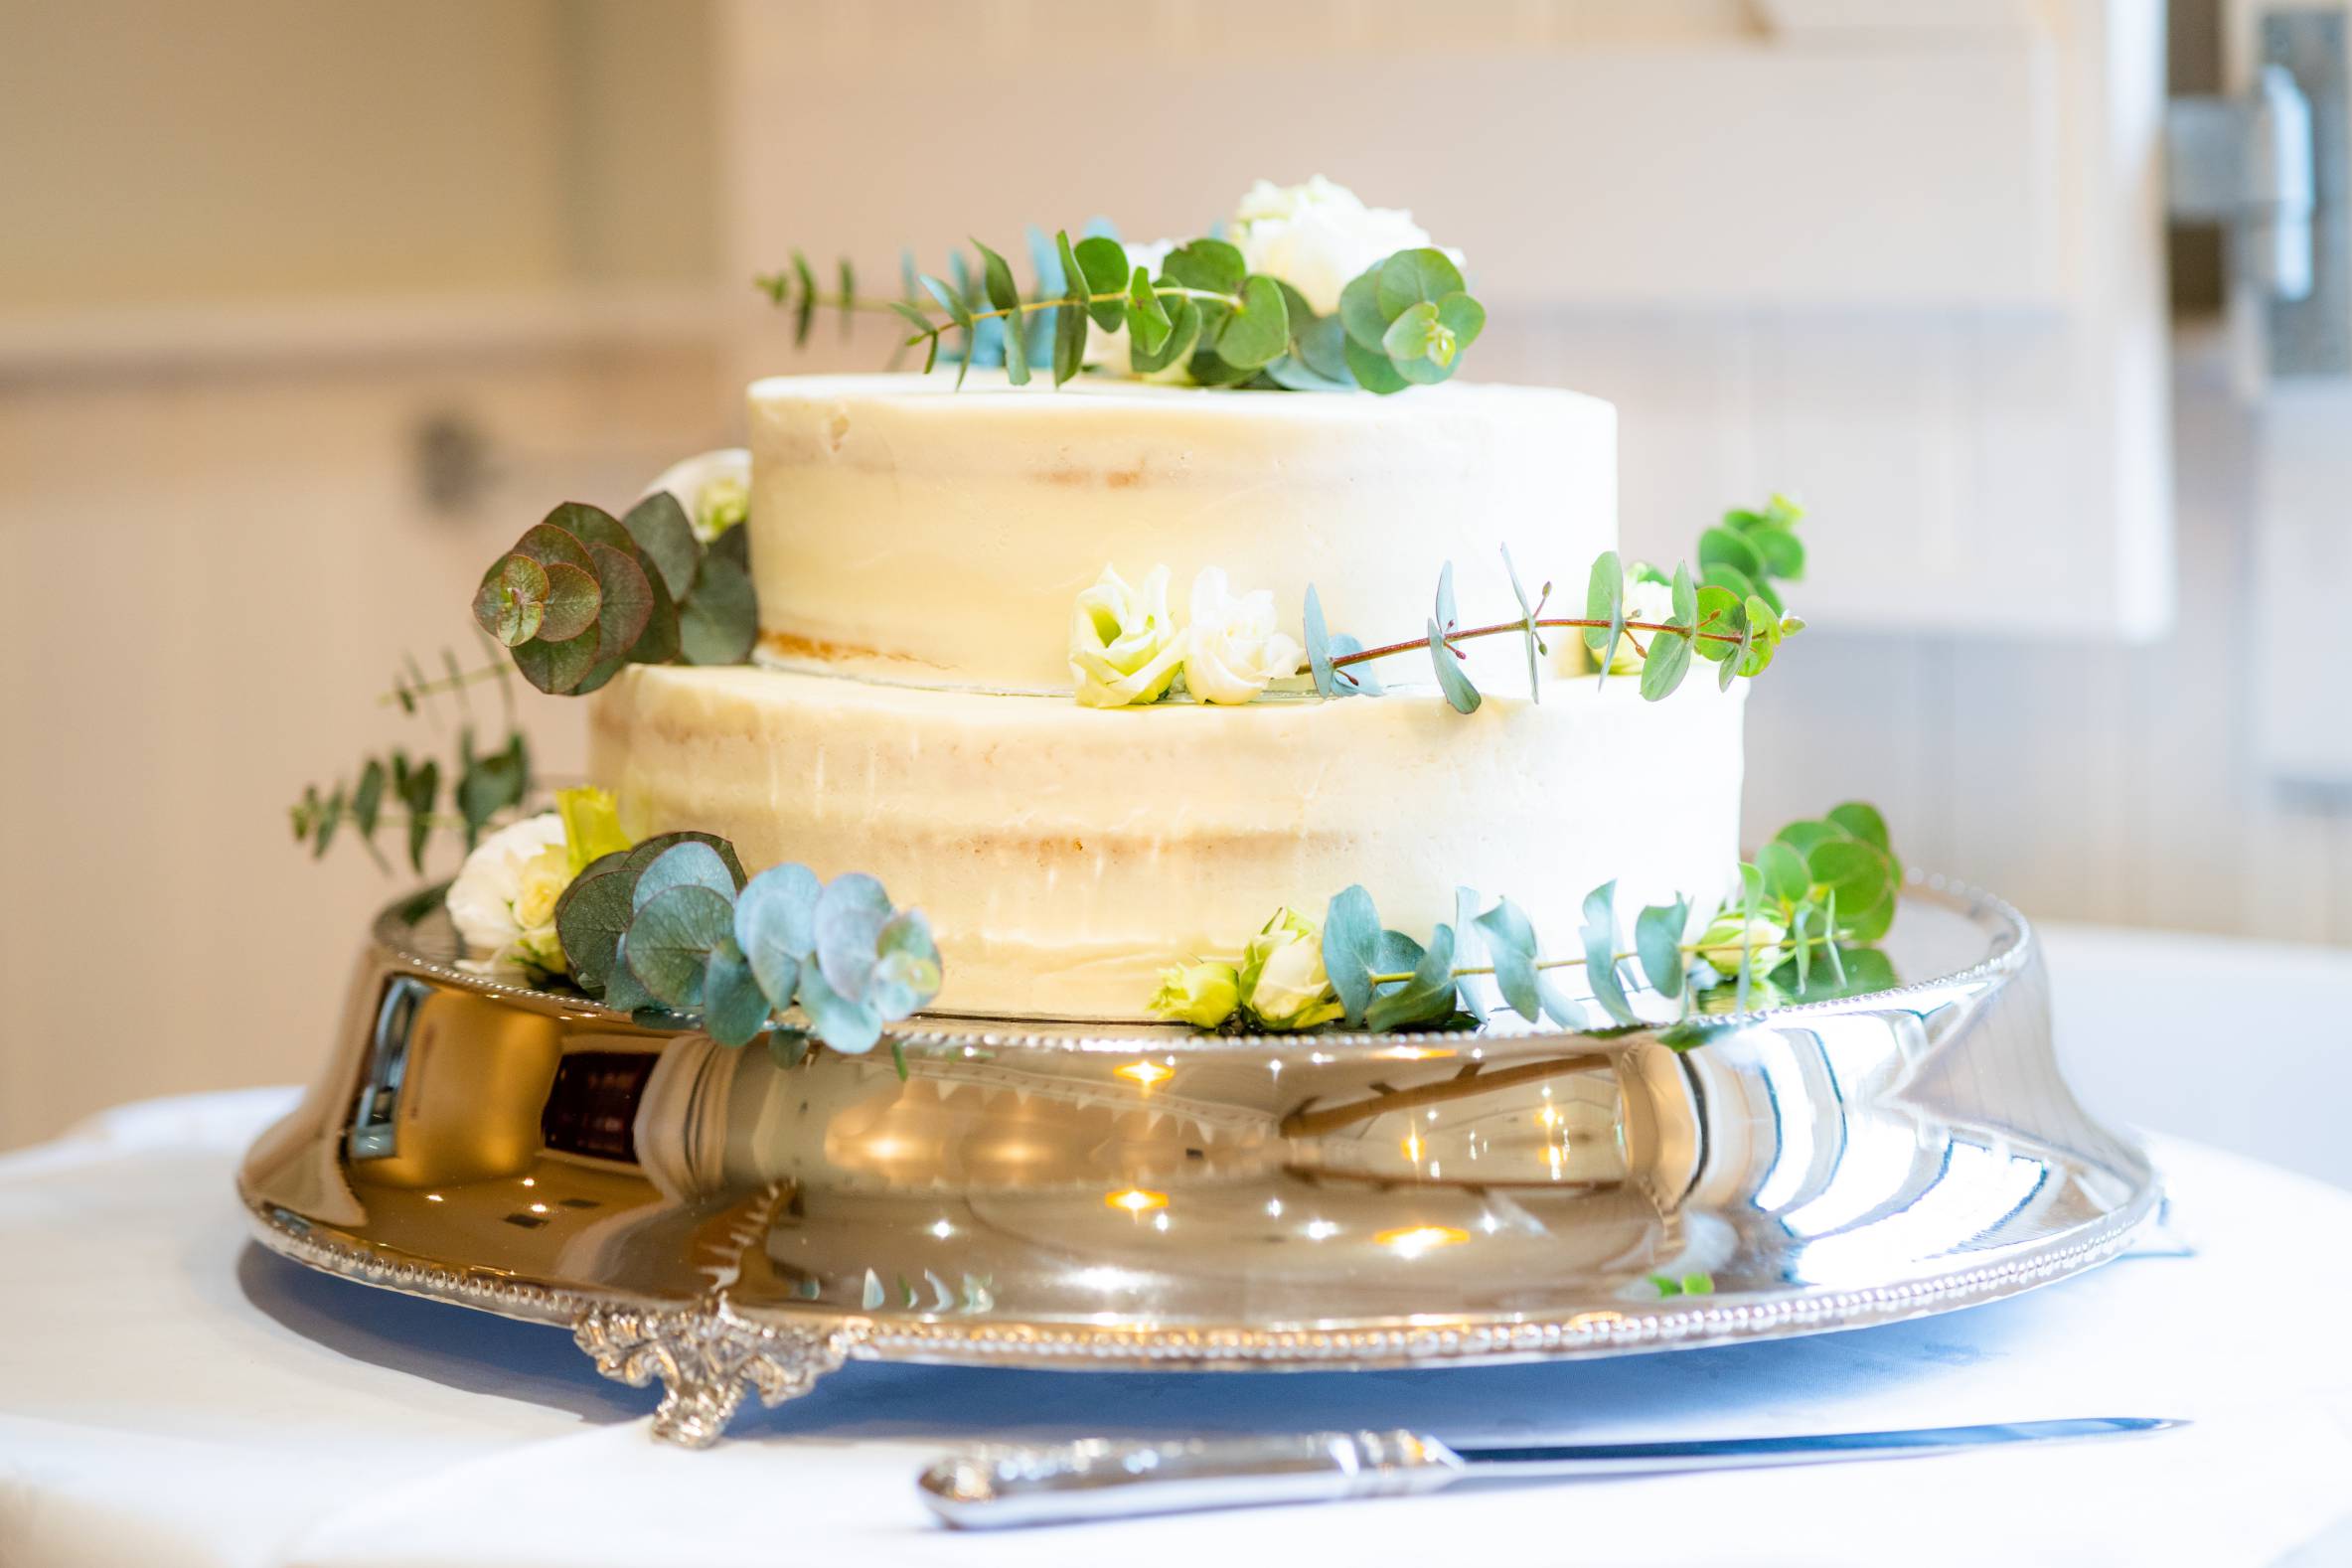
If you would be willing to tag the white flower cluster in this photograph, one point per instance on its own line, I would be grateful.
(1126, 648)
(1317, 238)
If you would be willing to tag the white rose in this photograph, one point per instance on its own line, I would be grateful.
(715, 488)
(1106, 347)
(1233, 648)
(1645, 600)
(1124, 645)
(1282, 975)
(1319, 237)
(503, 901)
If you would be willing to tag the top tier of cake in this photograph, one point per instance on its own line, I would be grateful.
(908, 530)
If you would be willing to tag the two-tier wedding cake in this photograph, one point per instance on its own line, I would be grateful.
(916, 551)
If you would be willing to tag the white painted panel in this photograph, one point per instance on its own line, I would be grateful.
(1901, 261)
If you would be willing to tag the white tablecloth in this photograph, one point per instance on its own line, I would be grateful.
(171, 1394)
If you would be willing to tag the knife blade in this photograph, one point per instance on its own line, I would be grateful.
(1113, 1478)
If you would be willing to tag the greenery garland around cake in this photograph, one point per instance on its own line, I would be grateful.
(1304, 289)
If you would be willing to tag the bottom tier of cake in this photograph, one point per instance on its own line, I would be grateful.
(1066, 854)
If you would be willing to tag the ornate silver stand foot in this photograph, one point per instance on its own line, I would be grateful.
(705, 1355)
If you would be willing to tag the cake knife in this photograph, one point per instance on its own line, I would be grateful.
(1111, 1478)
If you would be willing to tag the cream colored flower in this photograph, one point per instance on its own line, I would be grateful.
(1233, 648)
(503, 901)
(1203, 994)
(1282, 975)
(1124, 645)
(1720, 945)
(715, 488)
(1319, 237)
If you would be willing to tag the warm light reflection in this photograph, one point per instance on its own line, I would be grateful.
(942, 1229)
(1135, 1200)
(1321, 1230)
(1414, 1240)
(433, 1198)
(1146, 1073)
(538, 1208)
(531, 1181)
(1416, 1052)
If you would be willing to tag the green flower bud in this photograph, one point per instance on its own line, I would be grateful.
(1203, 995)
(1720, 945)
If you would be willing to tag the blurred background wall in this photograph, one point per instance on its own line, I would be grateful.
(307, 306)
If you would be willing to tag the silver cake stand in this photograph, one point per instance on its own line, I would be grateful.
(1047, 1196)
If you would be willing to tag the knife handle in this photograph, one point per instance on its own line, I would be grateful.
(1109, 1479)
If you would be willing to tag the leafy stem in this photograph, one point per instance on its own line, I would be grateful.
(1822, 939)
(1700, 632)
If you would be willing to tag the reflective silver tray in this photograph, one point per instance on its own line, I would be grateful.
(1051, 1195)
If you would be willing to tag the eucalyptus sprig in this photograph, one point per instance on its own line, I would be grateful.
(1404, 322)
(484, 784)
(582, 593)
(1731, 614)
(1800, 928)
(673, 924)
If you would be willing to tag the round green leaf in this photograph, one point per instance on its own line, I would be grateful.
(625, 608)
(1721, 546)
(1782, 552)
(1259, 332)
(1211, 264)
(684, 864)
(1412, 334)
(1464, 317)
(850, 917)
(591, 526)
(551, 546)
(650, 850)
(1184, 319)
(574, 601)
(1785, 872)
(719, 621)
(776, 926)
(734, 1008)
(1721, 613)
(590, 917)
(1360, 317)
(1351, 937)
(1103, 262)
(558, 668)
(848, 1026)
(1373, 371)
(658, 527)
(512, 601)
(906, 972)
(1412, 277)
(670, 941)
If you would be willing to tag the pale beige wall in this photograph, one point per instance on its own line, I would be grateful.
(163, 151)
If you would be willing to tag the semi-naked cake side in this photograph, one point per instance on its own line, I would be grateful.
(918, 552)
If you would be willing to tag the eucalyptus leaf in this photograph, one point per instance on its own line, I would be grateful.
(1356, 680)
(1321, 343)
(1212, 265)
(848, 1026)
(1429, 997)
(719, 621)
(1451, 679)
(657, 526)
(649, 850)
(572, 603)
(1784, 871)
(734, 1008)
(1260, 331)
(906, 970)
(625, 607)
(1350, 941)
(623, 992)
(1318, 649)
(1600, 949)
(1720, 611)
(1373, 371)
(558, 668)
(1102, 266)
(1862, 821)
(1510, 942)
(1360, 317)
(590, 916)
(671, 937)
(1605, 600)
(690, 863)
(1183, 327)
(1658, 943)
(849, 921)
(551, 544)
(1668, 661)
(1470, 952)
(1413, 277)
(776, 926)
(512, 599)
